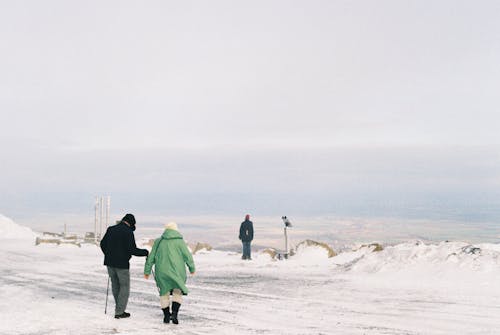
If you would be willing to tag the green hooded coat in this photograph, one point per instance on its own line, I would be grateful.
(170, 256)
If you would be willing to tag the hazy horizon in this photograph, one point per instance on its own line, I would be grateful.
(353, 109)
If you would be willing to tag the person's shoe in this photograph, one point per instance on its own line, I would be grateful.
(166, 315)
(122, 316)
(175, 311)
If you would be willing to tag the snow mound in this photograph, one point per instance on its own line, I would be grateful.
(11, 230)
(203, 247)
(305, 246)
(306, 250)
(311, 253)
(271, 252)
(418, 255)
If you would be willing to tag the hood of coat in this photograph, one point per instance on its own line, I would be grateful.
(170, 234)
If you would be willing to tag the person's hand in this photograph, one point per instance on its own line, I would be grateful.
(192, 273)
(146, 276)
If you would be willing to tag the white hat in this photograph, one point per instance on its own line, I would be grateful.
(171, 225)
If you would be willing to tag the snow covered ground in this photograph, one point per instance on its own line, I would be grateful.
(408, 288)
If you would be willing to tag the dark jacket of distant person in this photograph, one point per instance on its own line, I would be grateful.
(118, 245)
(246, 231)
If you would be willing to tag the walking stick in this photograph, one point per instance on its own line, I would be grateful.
(107, 293)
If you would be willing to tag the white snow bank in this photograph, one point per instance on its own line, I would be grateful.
(310, 252)
(418, 255)
(11, 230)
(454, 258)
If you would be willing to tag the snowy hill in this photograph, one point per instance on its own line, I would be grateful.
(11, 230)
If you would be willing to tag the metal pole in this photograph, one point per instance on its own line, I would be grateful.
(286, 244)
(107, 293)
(95, 218)
(108, 205)
(101, 209)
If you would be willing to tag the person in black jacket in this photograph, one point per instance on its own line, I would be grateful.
(118, 246)
(246, 237)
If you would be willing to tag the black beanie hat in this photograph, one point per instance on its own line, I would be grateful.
(130, 219)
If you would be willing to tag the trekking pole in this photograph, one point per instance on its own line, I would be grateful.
(107, 293)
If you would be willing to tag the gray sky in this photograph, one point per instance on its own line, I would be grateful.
(218, 106)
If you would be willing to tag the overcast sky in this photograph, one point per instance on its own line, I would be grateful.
(215, 106)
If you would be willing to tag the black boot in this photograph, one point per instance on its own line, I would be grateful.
(122, 316)
(166, 315)
(175, 311)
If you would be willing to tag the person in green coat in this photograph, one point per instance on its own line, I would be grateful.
(170, 256)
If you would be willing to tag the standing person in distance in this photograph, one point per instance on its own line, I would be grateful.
(246, 237)
(170, 256)
(118, 246)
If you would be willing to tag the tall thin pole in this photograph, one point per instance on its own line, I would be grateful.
(101, 209)
(286, 244)
(107, 293)
(95, 218)
(108, 205)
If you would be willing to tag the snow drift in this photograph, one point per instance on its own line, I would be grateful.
(424, 257)
(412, 257)
(409, 257)
(11, 230)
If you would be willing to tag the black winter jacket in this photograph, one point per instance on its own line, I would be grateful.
(118, 246)
(246, 231)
